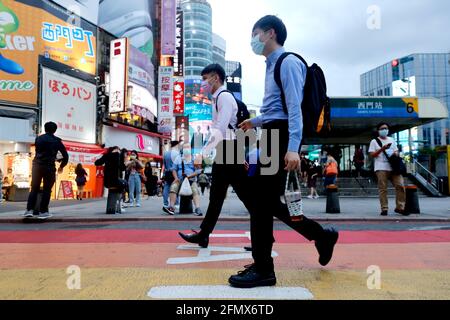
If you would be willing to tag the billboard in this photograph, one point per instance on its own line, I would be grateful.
(87, 9)
(31, 29)
(178, 97)
(404, 87)
(71, 104)
(168, 27)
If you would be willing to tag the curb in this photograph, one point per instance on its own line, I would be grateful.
(223, 219)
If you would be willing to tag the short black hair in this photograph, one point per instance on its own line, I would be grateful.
(383, 124)
(272, 22)
(50, 127)
(217, 69)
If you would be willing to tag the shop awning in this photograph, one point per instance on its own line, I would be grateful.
(85, 154)
(140, 131)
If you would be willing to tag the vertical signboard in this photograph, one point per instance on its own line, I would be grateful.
(165, 101)
(178, 61)
(178, 97)
(168, 26)
(118, 76)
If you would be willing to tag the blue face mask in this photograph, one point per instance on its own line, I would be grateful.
(383, 133)
(257, 45)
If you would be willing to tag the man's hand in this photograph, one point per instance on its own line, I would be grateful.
(246, 125)
(292, 161)
(60, 170)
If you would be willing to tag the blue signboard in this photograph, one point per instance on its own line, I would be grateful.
(374, 108)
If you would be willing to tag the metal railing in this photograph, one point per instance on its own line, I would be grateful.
(427, 176)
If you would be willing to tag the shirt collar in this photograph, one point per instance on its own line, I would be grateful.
(222, 88)
(273, 57)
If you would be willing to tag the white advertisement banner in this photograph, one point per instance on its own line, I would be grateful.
(118, 83)
(71, 104)
(165, 103)
(131, 141)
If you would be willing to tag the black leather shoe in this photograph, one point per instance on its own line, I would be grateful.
(325, 246)
(251, 278)
(384, 213)
(402, 212)
(198, 238)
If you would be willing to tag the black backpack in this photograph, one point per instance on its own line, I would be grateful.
(316, 108)
(242, 113)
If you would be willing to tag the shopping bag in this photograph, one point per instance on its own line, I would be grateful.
(185, 189)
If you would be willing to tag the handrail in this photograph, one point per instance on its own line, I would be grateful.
(430, 178)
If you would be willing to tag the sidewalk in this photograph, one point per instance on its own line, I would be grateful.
(352, 209)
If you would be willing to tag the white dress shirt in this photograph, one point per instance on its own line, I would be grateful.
(224, 113)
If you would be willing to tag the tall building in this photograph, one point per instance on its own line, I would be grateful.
(421, 75)
(219, 50)
(197, 35)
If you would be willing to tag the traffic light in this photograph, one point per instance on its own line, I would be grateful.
(395, 70)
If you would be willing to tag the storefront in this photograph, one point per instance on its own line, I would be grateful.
(147, 144)
(16, 137)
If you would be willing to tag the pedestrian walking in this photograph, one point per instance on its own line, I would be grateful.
(314, 172)
(183, 168)
(380, 149)
(134, 166)
(44, 170)
(168, 161)
(282, 122)
(203, 181)
(81, 180)
(358, 160)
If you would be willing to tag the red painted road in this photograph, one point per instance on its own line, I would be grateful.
(171, 236)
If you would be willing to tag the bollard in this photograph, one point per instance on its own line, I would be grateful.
(186, 205)
(412, 200)
(333, 199)
(113, 202)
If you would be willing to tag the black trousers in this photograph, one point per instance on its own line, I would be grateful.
(266, 202)
(39, 174)
(224, 175)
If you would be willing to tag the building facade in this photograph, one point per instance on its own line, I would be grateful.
(219, 50)
(421, 75)
(197, 35)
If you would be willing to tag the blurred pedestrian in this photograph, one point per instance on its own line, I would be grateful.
(134, 166)
(81, 179)
(330, 171)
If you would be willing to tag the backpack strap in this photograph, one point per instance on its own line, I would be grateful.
(277, 75)
(217, 108)
(381, 146)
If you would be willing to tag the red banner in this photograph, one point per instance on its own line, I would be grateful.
(178, 97)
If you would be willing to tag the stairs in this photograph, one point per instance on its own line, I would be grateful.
(362, 188)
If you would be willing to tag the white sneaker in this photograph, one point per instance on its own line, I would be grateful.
(138, 205)
(316, 197)
(44, 216)
(310, 197)
(28, 214)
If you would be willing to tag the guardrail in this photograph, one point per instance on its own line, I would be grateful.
(418, 170)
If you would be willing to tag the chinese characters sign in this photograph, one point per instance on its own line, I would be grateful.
(375, 108)
(165, 103)
(178, 97)
(118, 85)
(178, 61)
(39, 28)
(70, 103)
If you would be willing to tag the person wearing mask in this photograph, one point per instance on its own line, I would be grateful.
(384, 172)
(283, 129)
(168, 159)
(184, 167)
(81, 179)
(134, 166)
(44, 170)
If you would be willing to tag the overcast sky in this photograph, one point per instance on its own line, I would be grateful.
(334, 34)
